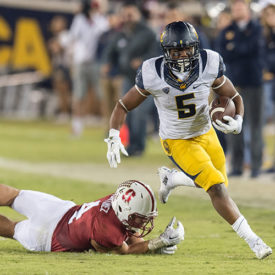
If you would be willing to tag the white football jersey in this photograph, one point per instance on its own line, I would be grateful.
(183, 113)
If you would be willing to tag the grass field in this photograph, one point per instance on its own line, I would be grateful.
(41, 156)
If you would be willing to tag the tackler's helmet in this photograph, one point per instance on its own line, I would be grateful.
(178, 36)
(135, 206)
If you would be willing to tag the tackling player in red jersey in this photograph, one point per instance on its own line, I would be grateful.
(115, 223)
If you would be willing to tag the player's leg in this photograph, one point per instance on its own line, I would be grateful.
(193, 158)
(7, 196)
(43, 211)
(6, 227)
(170, 179)
(190, 156)
(223, 204)
(226, 207)
(217, 191)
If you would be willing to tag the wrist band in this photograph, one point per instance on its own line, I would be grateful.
(155, 244)
(113, 133)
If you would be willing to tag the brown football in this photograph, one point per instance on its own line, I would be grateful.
(221, 106)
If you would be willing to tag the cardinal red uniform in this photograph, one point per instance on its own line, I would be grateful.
(91, 221)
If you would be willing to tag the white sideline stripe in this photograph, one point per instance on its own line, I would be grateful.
(260, 194)
(88, 172)
(218, 109)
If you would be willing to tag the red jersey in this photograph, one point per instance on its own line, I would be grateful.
(90, 221)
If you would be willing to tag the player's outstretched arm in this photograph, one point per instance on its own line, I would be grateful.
(131, 100)
(166, 243)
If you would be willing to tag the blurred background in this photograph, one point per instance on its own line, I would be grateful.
(68, 62)
(63, 66)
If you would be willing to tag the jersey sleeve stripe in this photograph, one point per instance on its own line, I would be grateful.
(203, 59)
(221, 67)
(139, 78)
(158, 65)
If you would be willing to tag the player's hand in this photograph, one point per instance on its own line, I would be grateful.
(234, 125)
(167, 250)
(171, 235)
(169, 238)
(114, 148)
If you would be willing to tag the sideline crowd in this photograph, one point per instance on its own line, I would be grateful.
(95, 61)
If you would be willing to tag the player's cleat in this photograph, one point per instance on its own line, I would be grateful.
(261, 249)
(166, 185)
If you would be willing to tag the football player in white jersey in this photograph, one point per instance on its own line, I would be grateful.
(180, 81)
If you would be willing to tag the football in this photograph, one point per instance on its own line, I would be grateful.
(221, 106)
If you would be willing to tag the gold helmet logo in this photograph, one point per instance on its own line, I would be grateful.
(196, 33)
(161, 36)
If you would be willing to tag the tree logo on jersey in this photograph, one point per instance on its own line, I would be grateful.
(128, 195)
(166, 90)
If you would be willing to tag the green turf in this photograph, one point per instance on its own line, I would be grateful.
(48, 142)
(210, 247)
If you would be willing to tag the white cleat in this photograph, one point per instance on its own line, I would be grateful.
(261, 249)
(165, 183)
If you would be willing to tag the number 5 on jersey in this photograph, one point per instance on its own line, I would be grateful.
(187, 110)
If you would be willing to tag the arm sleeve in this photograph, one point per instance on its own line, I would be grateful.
(139, 78)
(215, 66)
(146, 76)
(222, 68)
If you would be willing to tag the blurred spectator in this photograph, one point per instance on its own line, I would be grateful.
(60, 58)
(174, 12)
(268, 20)
(224, 20)
(241, 45)
(157, 12)
(195, 20)
(133, 44)
(86, 28)
(110, 78)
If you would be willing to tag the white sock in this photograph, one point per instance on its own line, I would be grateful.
(77, 125)
(242, 228)
(181, 179)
